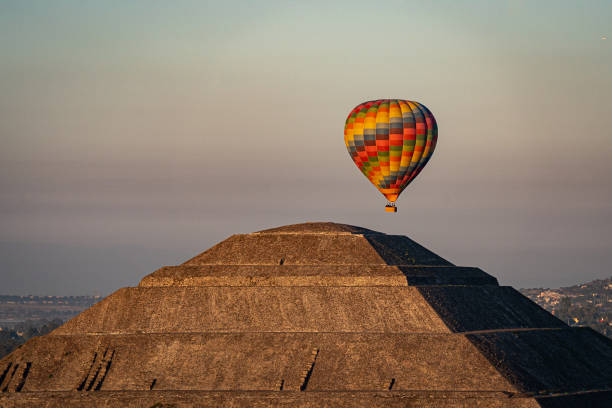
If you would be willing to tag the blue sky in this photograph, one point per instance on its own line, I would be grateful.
(137, 134)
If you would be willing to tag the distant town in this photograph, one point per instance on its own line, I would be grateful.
(588, 304)
(18, 309)
(23, 317)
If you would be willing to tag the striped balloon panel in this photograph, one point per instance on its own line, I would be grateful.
(390, 141)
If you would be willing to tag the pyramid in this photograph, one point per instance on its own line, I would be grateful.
(310, 315)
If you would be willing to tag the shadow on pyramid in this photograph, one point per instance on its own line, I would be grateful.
(309, 315)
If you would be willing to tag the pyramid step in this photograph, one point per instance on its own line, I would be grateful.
(317, 249)
(537, 362)
(256, 361)
(314, 314)
(395, 309)
(316, 275)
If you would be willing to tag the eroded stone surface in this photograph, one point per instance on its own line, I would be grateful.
(308, 315)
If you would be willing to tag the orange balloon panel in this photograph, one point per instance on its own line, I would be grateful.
(390, 141)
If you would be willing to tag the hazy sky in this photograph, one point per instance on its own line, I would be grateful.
(137, 134)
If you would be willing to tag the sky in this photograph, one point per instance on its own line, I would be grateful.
(138, 134)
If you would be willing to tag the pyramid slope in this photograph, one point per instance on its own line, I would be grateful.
(570, 359)
(309, 315)
(477, 308)
(427, 309)
(315, 275)
(314, 247)
(259, 309)
(343, 362)
(317, 228)
(293, 399)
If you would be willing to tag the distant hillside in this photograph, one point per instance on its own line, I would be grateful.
(587, 304)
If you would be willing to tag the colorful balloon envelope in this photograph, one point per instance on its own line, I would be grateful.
(390, 141)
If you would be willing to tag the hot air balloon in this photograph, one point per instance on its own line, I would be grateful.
(390, 141)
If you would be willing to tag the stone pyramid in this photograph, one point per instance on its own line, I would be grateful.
(309, 315)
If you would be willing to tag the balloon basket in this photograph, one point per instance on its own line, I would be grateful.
(391, 208)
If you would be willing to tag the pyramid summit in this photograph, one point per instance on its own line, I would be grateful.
(307, 315)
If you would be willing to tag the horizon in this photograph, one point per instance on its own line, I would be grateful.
(138, 135)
